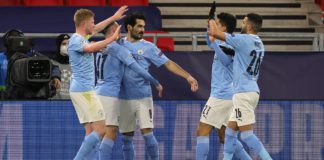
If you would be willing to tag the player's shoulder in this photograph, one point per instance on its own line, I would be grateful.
(147, 44)
(76, 38)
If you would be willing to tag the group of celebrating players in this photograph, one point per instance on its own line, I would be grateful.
(111, 91)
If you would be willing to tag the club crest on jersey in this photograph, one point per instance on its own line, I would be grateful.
(140, 51)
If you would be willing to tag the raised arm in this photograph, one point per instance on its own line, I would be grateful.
(223, 57)
(214, 31)
(176, 69)
(96, 46)
(119, 14)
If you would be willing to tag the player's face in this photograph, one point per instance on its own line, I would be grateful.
(220, 26)
(90, 26)
(244, 25)
(137, 31)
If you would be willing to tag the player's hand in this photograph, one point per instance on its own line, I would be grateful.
(56, 82)
(193, 83)
(212, 11)
(212, 27)
(116, 34)
(159, 89)
(120, 13)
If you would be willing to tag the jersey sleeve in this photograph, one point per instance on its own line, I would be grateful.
(234, 40)
(122, 54)
(77, 44)
(157, 57)
(144, 73)
(208, 42)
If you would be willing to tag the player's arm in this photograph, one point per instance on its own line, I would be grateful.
(97, 46)
(125, 56)
(119, 14)
(214, 31)
(223, 57)
(147, 76)
(176, 69)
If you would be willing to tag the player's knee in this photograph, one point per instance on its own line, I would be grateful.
(232, 125)
(146, 130)
(112, 132)
(204, 129)
(99, 127)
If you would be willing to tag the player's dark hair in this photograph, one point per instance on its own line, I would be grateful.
(227, 20)
(131, 19)
(256, 21)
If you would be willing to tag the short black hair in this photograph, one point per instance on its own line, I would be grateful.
(106, 29)
(256, 21)
(131, 19)
(227, 20)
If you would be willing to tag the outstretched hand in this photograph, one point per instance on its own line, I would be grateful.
(159, 89)
(120, 13)
(193, 83)
(212, 11)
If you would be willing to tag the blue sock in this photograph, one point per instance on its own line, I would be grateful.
(128, 147)
(94, 154)
(151, 145)
(202, 147)
(240, 152)
(230, 143)
(88, 145)
(255, 145)
(106, 148)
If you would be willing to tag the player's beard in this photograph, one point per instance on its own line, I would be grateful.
(138, 36)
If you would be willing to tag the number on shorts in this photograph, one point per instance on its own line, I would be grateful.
(206, 110)
(238, 113)
(253, 68)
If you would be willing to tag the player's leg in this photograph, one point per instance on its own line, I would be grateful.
(128, 145)
(245, 118)
(89, 110)
(231, 140)
(223, 110)
(95, 152)
(214, 115)
(202, 146)
(232, 145)
(127, 127)
(145, 117)
(111, 108)
(206, 125)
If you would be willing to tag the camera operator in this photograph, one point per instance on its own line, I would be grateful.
(62, 58)
(30, 75)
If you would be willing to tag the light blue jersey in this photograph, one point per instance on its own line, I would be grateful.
(222, 71)
(249, 53)
(145, 53)
(110, 69)
(82, 65)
